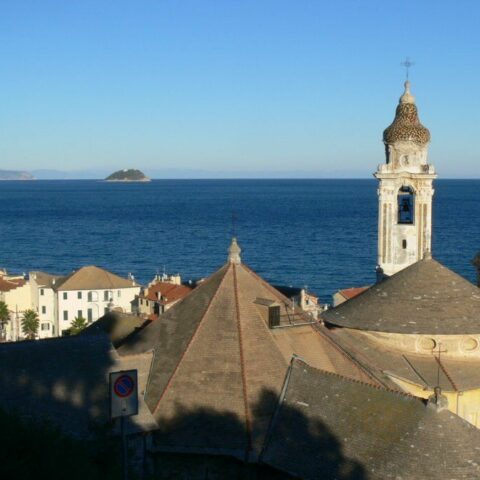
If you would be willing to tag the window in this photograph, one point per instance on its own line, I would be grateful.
(119, 293)
(45, 326)
(406, 205)
(89, 314)
(105, 296)
(42, 291)
(79, 314)
(44, 309)
(404, 244)
(65, 315)
(90, 296)
(65, 295)
(79, 295)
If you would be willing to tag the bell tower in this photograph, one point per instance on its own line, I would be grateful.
(405, 190)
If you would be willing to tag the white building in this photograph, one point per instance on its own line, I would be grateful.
(405, 190)
(89, 292)
(15, 292)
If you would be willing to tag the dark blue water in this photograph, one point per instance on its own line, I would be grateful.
(319, 233)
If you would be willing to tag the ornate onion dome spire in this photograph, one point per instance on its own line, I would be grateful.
(234, 252)
(406, 126)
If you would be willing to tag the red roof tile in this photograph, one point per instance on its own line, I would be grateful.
(349, 293)
(7, 285)
(169, 291)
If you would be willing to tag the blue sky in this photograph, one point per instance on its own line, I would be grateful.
(234, 86)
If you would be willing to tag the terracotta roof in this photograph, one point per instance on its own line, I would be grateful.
(349, 293)
(424, 298)
(170, 291)
(328, 426)
(93, 278)
(7, 285)
(216, 359)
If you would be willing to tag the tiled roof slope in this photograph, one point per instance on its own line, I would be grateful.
(65, 381)
(218, 369)
(46, 279)
(118, 326)
(93, 278)
(328, 426)
(171, 292)
(7, 285)
(349, 293)
(424, 370)
(424, 298)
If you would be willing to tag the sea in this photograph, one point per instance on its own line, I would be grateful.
(318, 234)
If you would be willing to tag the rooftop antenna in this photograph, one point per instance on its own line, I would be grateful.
(407, 63)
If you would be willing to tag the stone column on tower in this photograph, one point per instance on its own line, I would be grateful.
(405, 190)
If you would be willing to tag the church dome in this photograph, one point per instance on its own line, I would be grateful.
(406, 126)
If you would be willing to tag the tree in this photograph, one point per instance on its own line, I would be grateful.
(4, 318)
(30, 323)
(78, 324)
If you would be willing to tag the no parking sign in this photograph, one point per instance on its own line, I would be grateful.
(123, 393)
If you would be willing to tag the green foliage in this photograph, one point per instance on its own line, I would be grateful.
(33, 450)
(4, 314)
(30, 323)
(77, 325)
(127, 174)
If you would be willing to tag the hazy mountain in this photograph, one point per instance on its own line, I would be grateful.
(15, 175)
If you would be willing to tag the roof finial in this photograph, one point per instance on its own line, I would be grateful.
(407, 97)
(234, 252)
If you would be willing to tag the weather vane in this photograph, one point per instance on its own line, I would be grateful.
(407, 63)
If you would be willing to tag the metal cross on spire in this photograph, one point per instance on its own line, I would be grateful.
(407, 63)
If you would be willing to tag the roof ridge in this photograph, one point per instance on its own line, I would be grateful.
(169, 382)
(360, 382)
(242, 364)
(346, 354)
(266, 284)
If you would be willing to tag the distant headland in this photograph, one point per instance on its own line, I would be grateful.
(15, 175)
(127, 175)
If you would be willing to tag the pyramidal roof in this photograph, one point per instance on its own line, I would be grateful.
(93, 278)
(218, 368)
(424, 298)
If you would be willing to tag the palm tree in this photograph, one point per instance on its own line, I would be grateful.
(4, 318)
(30, 324)
(78, 324)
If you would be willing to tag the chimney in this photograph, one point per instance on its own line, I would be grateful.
(437, 401)
(476, 263)
(380, 274)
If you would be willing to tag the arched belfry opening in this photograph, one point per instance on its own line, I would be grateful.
(405, 190)
(406, 205)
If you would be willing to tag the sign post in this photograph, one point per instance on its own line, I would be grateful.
(123, 403)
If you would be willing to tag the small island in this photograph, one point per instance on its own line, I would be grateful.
(127, 175)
